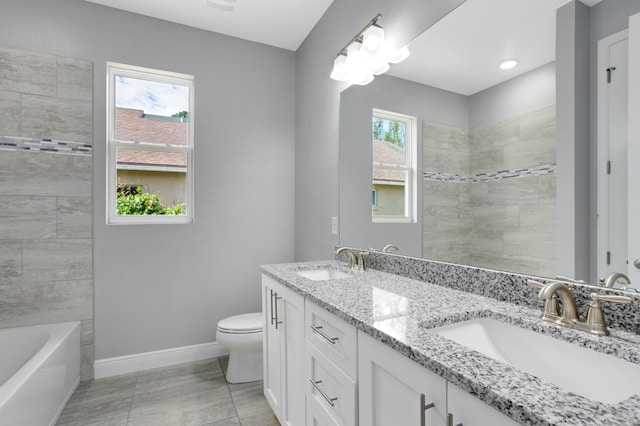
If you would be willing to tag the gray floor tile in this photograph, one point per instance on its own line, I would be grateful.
(192, 394)
(188, 410)
(101, 411)
(250, 402)
(194, 371)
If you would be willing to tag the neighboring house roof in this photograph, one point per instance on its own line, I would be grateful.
(136, 126)
(387, 153)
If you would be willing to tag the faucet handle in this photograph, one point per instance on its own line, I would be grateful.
(595, 322)
(625, 300)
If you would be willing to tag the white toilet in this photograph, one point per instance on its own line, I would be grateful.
(242, 335)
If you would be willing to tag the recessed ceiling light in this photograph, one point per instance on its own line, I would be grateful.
(507, 65)
(227, 5)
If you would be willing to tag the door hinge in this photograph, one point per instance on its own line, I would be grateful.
(609, 70)
(608, 167)
(608, 258)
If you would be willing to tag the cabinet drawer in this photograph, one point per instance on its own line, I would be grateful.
(329, 389)
(317, 416)
(332, 336)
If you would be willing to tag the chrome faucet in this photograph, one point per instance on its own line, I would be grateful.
(390, 248)
(611, 280)
(356, 260)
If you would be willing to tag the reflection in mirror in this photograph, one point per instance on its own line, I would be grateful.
(394, 167)
(487, 182)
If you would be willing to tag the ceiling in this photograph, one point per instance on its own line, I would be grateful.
(279, 23)
(461, 53)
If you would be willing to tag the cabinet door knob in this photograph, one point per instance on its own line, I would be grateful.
(423, 408)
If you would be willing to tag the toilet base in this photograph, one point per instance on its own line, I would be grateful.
(244, 367)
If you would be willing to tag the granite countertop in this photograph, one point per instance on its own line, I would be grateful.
(401, 312)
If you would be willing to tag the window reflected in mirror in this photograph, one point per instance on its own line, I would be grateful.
(393, 167)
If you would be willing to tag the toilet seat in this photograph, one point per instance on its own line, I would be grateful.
(242, 324)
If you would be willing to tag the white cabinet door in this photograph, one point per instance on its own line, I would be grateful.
(468, 410)
(271, 349)
(283, 351)
(393, 390)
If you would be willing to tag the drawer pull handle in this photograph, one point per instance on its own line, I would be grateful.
(450, 420)
(272, 316)
(322, 334)
(424, 407)
(324, 395)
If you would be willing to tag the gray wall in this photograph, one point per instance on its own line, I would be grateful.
(164, 286)
(356, 103)
(317, 107)
(45, 193)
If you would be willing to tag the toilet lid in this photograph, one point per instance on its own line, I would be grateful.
(245, 323)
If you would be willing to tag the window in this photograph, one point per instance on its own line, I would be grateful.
(149, 146)
(394, 165)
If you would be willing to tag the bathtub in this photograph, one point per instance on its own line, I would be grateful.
(39, 370)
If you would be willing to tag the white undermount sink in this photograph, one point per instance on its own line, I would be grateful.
(595, 375)
(322, 274)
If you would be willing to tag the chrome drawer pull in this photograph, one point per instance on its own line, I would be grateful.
(324, 395)
(424, 407)
(318, 330)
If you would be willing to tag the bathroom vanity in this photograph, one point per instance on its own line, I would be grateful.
(346, 347)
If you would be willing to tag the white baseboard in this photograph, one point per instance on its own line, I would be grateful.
(144, 361)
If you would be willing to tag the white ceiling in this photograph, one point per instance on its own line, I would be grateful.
(279, 23)
(461, 52)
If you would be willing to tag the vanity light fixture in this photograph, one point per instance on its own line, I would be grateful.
(508, 64)
(366, 56)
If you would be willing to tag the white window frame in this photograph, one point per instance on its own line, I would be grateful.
(149, 74)
(411, 195)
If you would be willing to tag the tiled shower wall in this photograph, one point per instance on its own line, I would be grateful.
(46, 241)
(492, 204)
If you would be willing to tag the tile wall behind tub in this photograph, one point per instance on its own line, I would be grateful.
(496, 207)
(46, 130)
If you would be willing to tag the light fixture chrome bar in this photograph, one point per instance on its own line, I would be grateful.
(359, 36)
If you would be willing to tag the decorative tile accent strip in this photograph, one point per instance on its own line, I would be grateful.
(499, 175)
(15, 143)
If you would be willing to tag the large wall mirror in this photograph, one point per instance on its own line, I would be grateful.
(486, 172)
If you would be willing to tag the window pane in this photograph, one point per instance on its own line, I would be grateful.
(148, 174)
(151, 112)
(390, 187)
(389, 142)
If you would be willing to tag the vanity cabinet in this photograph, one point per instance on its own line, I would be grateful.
(283, 351)
(331, 367)
(468, 410)
(397, 391)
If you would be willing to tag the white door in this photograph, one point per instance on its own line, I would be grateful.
(633, 270)
(612, 153)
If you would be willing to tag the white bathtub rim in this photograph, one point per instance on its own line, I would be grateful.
(9, 388)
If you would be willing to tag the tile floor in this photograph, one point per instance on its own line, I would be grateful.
(193, 394)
